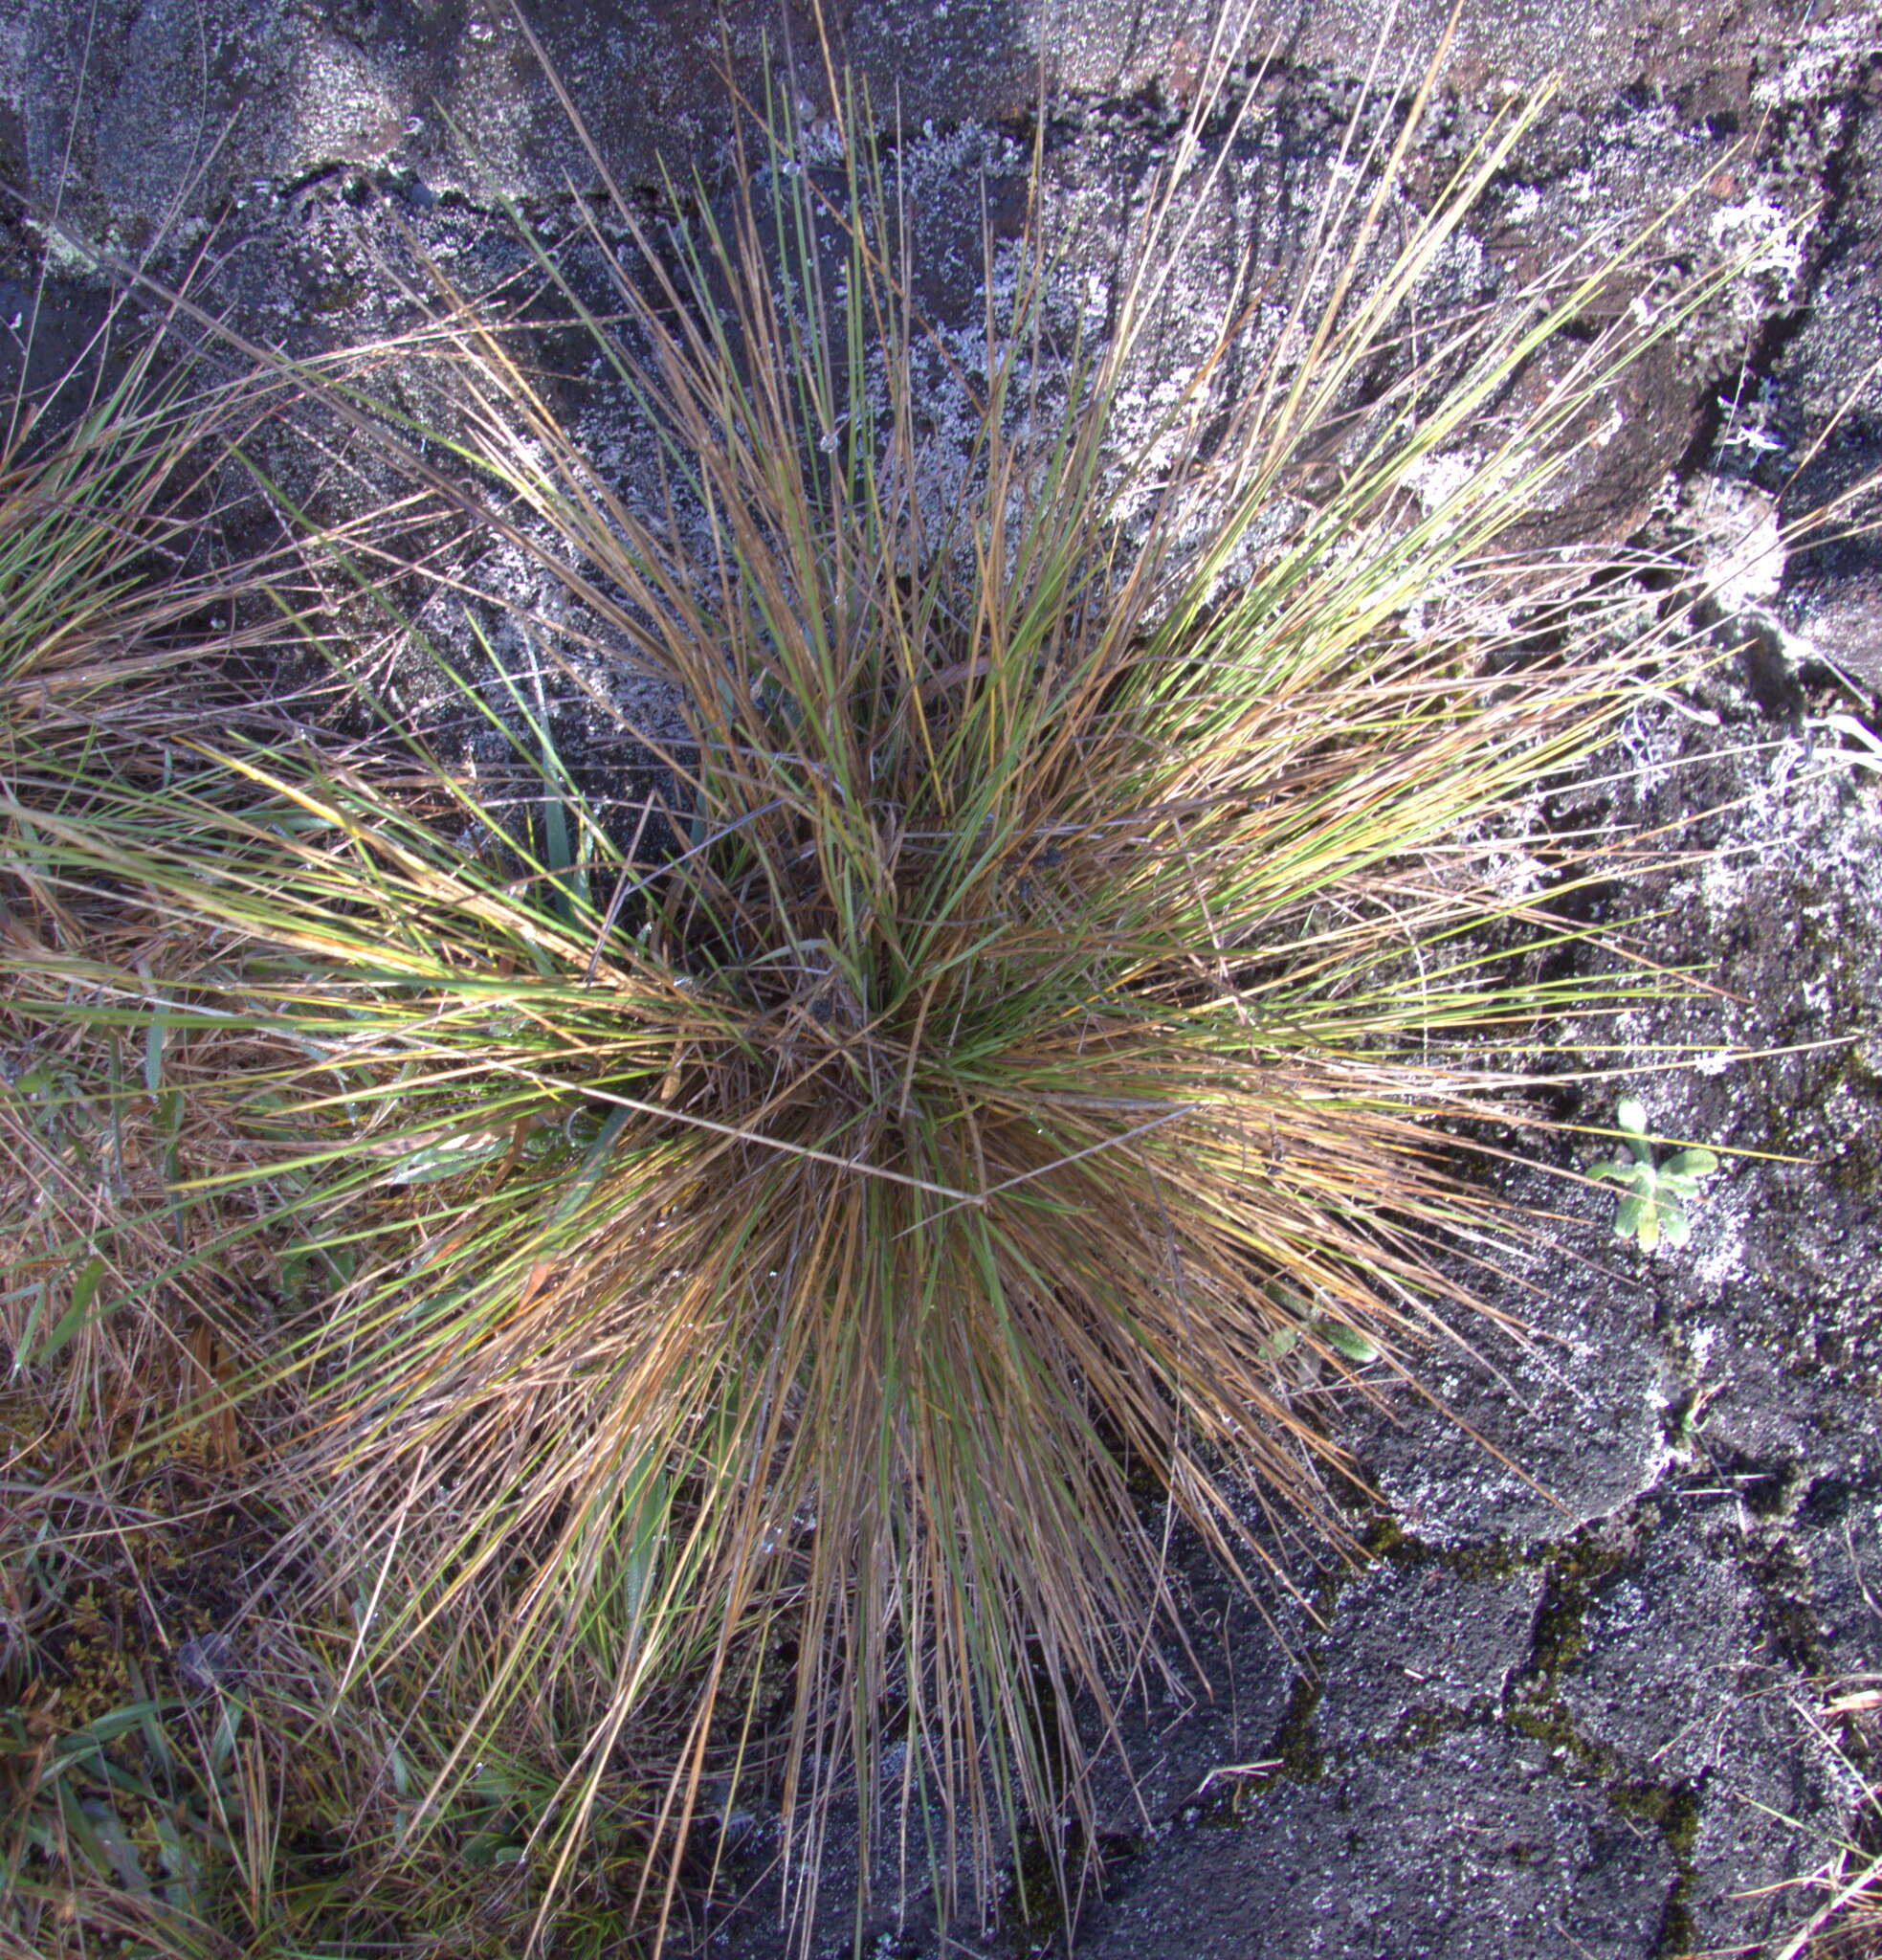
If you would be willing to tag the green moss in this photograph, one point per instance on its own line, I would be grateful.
(1034, 1906)
(1674, 1811)
(1790, 1120)
(1547, 1723)
(1034, 1913)
(1671, 1809)
(1786, 1590)
(1857, 1168)
(1385, 1538)
(1420, 1729)
(1497, 1559)
(1576, 1575)
(334, 295)
(93, 1669)
(1296, 1746)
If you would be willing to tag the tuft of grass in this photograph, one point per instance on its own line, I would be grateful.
(109, 480)
(182, 1776)
(179, 1775)
(121, 624)
(764, 1231)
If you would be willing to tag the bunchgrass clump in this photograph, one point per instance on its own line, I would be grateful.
(818, 1197)
(110, 478)
(121, 622)
(177, 1773)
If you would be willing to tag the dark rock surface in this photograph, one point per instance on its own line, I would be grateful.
(1825, 413)
(1511, 1859)
(156, 109)
(1577, 1703)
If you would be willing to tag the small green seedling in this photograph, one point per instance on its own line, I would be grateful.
(1654, 1207)
(1337, 1334)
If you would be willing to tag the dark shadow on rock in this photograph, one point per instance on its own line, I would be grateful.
(1826, 391)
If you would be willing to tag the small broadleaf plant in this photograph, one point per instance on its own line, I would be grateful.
(1654, 1205)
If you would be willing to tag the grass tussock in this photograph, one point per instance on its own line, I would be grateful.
(178, 1773)
(125, 617)
(760, 1241)
(112, 478)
